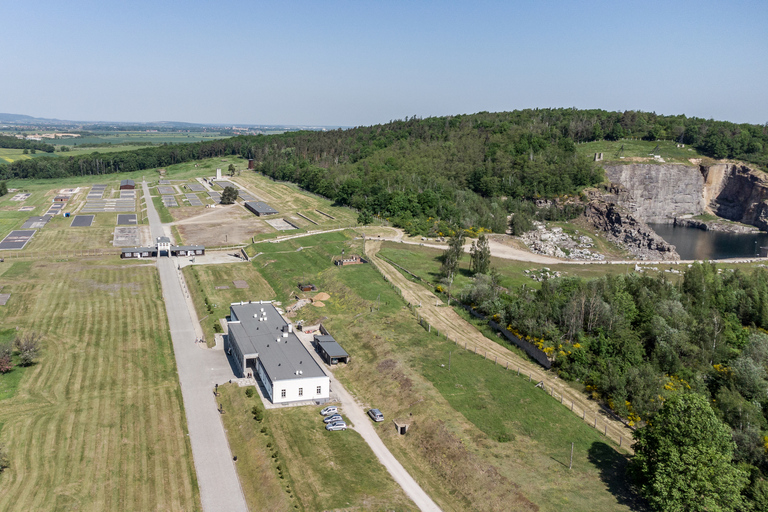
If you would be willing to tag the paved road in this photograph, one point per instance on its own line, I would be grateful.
(361, 423)
(198, 371)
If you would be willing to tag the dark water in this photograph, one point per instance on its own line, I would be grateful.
(697, 244)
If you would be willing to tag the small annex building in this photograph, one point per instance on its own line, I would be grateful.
(330, 350)
(260, 208)
(127, 185)
(260, 341)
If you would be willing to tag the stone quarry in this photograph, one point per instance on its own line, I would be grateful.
(674, 193)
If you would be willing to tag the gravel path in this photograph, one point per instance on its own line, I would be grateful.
(361, 423)
(447, 321)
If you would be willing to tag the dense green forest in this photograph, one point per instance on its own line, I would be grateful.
(11, 142)
(635, 341)
(453, 169)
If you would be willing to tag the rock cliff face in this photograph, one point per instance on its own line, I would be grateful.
(623, 228)
(669, 193)
(660, 192)
(736, 192)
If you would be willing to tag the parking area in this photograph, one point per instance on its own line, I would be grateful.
(127, 194)
(195, 187)
(16, 239)
(166, 190)
(169, 201)
(215, 196)
(82, 221)
(128, 219)
(26, 208)
(245, 196)
(193, 200)
(165, 182)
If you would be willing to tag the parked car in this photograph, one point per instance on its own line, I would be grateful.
(332, 418)
(336, 425)
(375, 415)
(331, 409)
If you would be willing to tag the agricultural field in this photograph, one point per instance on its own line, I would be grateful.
(98, 422)
(481, 438)
(10, 155)
(638, 151)
(296, 463)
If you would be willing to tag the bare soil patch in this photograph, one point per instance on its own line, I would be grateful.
(219, 226)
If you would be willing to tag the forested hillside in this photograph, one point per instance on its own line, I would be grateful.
(454, 169)
(636, 341)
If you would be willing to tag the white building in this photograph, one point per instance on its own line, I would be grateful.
(262, 343)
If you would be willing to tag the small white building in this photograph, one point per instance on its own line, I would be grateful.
(262, 343)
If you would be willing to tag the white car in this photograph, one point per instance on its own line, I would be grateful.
(336, 425)
(331, 409)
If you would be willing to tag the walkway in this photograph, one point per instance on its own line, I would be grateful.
(361, 423)
(198, 371)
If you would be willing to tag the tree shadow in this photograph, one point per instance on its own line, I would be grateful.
(613, 472)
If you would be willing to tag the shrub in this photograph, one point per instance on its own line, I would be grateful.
(249, 393)
(217, 326)
(28, 346)
(258, 414)
(4, 461)
(6, 360)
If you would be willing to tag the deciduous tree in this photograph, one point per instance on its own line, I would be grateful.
(480, 256)
(28, 346)
(683, 459)
(229, 195)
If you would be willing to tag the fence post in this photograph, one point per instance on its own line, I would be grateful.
(595, 421)
(606, 431)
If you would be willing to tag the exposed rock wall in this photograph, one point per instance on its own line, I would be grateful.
(660, 192)
(669, 193)
(623, 228)
(736, 192)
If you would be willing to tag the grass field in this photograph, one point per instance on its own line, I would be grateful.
(314, 469)
(453, 448)
(203, 281)
(638, 149)
(98, 423)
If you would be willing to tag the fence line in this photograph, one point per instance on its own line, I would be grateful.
(551, 391)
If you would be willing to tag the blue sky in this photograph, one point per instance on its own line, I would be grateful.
(359, 63)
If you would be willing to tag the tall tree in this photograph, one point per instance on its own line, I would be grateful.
(229, 195)
(231, 169)
(481, 255)
(452, 255)
(683, 459)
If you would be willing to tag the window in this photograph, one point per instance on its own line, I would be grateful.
(319, 390)
(282, 393)
(301, 391)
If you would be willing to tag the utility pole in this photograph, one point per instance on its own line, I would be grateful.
(449, 360)
(571, 464)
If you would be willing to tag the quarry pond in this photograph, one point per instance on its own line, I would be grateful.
(697, 244)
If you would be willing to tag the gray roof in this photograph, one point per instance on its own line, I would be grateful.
(260, 207)
(163, 240)
(187, 247)
(127, 182)
(281, 359)
(332, 348)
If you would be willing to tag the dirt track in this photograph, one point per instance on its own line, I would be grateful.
(447, 321)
